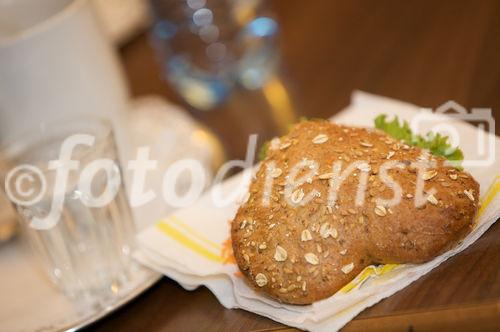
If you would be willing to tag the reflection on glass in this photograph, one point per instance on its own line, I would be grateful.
(209, 47)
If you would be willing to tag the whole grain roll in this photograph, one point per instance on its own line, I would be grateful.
(298, 245)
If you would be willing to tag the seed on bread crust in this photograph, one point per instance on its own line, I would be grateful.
(469, 194)
(432, 199)
(324, 230)
(380, 211)
(311, 258)
(261, 280)
(320, 139)
(348, 268)
(297, 196)
(280, 254)
(285, 146)
(429, 175)
(306, 235)
(276, 172)
(325, 176)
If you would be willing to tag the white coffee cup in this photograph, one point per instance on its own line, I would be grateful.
(55, 63)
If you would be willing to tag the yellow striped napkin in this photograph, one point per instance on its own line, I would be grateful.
(192, 246)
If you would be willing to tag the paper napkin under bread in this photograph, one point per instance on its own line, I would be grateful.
(192, 245)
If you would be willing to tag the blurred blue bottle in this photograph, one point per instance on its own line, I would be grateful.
(210, 47)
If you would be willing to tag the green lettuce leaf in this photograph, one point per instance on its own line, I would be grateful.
(263, 150)
(434, 142)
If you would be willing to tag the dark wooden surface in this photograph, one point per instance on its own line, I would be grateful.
(424, 52)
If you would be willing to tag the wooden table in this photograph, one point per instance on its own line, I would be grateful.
(424, 52)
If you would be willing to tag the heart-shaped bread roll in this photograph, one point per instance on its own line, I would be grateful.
(329, 200)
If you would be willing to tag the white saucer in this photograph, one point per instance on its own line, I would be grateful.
(29, 302)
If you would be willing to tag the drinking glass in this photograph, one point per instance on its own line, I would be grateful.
(208, 47)
(87, 251)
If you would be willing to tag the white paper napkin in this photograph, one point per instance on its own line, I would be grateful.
(192, 245)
